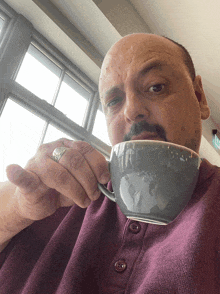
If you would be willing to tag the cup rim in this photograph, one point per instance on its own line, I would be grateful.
(160, 142)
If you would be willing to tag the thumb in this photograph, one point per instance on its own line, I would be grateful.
(25, 180)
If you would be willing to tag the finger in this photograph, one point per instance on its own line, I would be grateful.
(95, 160)
(29, 184)
(55, 176)
(66, 201)
(26, 181)
(48, 148)
(39, 166)
(36, 200)
(77, 165)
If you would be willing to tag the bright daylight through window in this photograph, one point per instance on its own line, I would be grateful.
(20, 135)
(53, 134)
(23, 129)
(44, 74)
(39, 74)
(100, 128)
(70, 102)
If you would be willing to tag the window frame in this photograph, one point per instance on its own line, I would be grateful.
(8, 14)
(6, 19)
(10, 88)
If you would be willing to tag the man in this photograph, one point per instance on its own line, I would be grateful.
(148, 91)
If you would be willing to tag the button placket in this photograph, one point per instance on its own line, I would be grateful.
(124, 260)
(121, 265)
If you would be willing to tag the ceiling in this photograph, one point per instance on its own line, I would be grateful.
(84, 30)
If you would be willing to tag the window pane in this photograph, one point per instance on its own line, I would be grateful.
(39, 74)
(20, 133)
(100, 128)
(54, 134)
(72, 100)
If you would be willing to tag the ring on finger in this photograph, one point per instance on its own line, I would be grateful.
(58, 153)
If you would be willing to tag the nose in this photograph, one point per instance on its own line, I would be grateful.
(135, 109)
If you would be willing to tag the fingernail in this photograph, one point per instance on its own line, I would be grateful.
(105, 178)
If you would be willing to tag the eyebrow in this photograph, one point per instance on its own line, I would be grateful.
(146, 69)
(150, 66)
(113, 90)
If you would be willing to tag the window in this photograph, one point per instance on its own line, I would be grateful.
(39, 74)
(64, 100)
(100, 127)
(3, 23)
(20, 133)
(72, 100)
(53, 134)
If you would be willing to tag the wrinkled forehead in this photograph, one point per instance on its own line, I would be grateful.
(129, 55)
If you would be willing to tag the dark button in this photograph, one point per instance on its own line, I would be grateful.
(135, 227)
(120, 266)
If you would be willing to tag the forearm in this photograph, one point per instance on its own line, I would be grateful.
(11, 222)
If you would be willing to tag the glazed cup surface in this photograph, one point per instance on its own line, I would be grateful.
(153, 180)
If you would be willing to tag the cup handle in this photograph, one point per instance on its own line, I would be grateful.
(106, 192)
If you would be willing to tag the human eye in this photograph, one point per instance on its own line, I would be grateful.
(156, 88)
(114, 101)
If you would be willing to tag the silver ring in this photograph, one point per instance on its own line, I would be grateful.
(58, 153)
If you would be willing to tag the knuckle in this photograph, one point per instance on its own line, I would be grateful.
(31, 163)
(94, 191)
(61, 178)
(76, 160)
(84, 147)
(43, 150)
(62, 140)
(91, 184)
(43, 147)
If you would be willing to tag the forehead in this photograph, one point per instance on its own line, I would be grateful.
(128, 58)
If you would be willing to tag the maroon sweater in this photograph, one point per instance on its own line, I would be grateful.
(97, 250)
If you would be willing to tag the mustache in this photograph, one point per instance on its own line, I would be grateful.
(138, 128)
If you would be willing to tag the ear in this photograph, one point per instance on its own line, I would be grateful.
(199, 92)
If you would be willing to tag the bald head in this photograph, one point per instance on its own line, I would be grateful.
(139, 42)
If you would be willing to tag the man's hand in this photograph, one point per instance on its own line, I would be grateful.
(45, 185)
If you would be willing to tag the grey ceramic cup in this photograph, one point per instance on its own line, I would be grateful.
(152, 180)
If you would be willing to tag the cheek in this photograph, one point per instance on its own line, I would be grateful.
(116, 129)
(172, 117)
(181, 122)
